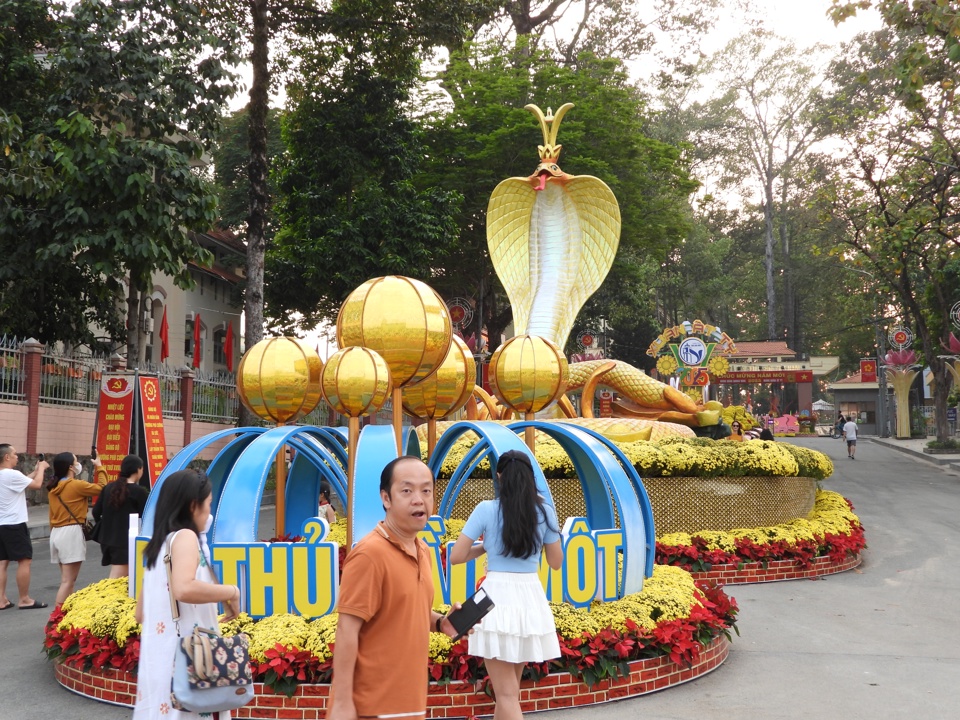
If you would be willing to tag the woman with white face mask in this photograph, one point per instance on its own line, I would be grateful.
(69, 498)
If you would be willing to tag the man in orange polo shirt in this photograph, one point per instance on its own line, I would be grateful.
(386, 600)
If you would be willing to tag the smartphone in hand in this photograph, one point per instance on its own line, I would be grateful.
(470, 613)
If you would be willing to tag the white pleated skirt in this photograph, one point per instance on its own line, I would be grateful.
(520, 627)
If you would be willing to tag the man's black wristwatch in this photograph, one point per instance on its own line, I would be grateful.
(436, 625)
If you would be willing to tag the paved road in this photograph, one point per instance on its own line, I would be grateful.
(876, 643)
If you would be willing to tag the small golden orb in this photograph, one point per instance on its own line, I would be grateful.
(279, 379)
(448, 389)
(528, 373)
(356, 381)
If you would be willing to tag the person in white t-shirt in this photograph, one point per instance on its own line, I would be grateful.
(14, 536)
(850, 435)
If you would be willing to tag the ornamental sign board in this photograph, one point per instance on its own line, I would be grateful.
(868, 371)
(746, 377)
(692, 350)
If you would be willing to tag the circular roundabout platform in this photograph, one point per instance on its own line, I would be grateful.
(453, 700)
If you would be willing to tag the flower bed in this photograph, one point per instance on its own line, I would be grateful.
(831, 531)
(451, 700)
(673, 617)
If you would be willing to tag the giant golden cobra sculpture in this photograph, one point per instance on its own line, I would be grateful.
(552, 238)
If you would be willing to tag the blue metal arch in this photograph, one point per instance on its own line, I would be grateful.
(605, 485)
(637, 482)
(182, 459)
(494, 441)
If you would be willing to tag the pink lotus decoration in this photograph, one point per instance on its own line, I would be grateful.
(900, 357)
(954, 347)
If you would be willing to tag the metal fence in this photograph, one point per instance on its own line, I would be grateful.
(71, 380)
(169, 381)
(215, 397)
(11, 369)
(322, 416)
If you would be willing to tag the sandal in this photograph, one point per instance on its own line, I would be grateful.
(36, 606)
(7, 606)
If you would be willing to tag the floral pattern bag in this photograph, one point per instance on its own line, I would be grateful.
(211, 673)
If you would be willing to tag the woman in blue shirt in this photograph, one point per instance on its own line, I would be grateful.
(515, 527)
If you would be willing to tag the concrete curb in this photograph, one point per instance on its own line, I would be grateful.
(951, 462)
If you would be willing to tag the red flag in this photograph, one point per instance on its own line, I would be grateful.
(868, 371)
(196, 340)
(228, 346)
(164, 337)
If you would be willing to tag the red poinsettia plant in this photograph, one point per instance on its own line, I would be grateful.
(591, 657)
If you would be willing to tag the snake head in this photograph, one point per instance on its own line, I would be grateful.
(547, 170)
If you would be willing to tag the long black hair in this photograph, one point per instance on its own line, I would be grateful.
(179, 496)
(119, 492)
(521, 507)
(62, 462)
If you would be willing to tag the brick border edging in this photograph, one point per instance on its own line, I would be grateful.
(456, 700)
(776, 571)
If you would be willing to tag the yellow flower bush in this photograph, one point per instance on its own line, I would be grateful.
(286, 629)
(675, 457)
(738, 413)
(104, 609)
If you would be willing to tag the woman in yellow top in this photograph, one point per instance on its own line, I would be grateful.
(69, 498)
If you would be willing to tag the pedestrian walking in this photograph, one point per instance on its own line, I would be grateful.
(118, 501)
(385, 606)
(520, 628)
(850, 435)
(15, 542)
(69, 501)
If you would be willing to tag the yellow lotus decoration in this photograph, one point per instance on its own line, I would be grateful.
(552, 238)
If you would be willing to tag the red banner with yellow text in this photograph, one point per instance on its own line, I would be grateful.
(115, 420)
(868, 371)
(153, 440)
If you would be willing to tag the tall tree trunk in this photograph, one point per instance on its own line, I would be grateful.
(789, 300)
(133, 323)
(259, 194)
(142, 328)
(772, 333)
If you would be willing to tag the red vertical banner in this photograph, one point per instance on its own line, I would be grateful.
(116, 419)
(868, 371)
(606, 403)
(154, 440)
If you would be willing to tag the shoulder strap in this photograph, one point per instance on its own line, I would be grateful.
(168, 563)
(67, 508)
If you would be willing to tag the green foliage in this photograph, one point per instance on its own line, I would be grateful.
(114, 123)
(350, 207)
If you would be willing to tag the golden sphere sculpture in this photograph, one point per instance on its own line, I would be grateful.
(402, 319)
(528, 373)
(279, 379)
(356, 381)
(448, 389)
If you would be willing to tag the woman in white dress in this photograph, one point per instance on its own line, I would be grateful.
(182, 512)
(515, 528)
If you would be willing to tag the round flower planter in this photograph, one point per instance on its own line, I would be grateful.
(777, 570)
(455, 700)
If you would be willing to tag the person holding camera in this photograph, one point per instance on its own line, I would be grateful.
(15, 542)
(69, 501)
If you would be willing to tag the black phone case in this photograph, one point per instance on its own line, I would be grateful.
(470, 613)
